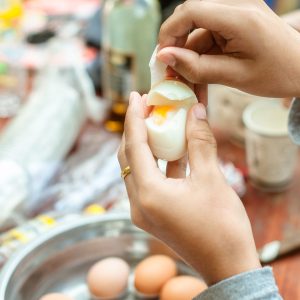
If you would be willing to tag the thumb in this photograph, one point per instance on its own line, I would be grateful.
(204, 68)
(202, 147)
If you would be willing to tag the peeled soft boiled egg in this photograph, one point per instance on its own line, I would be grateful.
(166, 124)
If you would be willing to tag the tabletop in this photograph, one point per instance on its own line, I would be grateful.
(272, 215)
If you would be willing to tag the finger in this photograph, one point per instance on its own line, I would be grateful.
(200, 41)
(177, 169)
(201, 142)
(137, 215)
(198, 14)
(201, 91)
(140, 158)
(123, 164)
(147, 109)
(203, 68)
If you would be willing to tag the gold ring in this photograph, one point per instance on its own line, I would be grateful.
(126, 171)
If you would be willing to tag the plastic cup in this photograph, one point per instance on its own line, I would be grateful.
(271, 155)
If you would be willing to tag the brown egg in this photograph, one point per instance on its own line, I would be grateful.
(55, 296)
(152, 273)
(108, 278)
(182, 288)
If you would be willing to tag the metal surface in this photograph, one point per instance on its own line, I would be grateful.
(59, 261)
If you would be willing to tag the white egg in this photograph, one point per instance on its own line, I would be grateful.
(166, 124)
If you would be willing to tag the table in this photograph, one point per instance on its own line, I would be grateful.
(273, 216)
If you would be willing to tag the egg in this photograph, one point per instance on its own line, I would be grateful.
(108, 278)
(166, 124)
(55, 296)
(182, 288)
(152, 273)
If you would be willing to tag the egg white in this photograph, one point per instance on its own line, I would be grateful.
(168, 140)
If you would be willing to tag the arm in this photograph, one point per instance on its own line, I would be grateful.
(199, 216)
(257, 284)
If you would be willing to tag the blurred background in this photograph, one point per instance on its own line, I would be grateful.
(66, 70)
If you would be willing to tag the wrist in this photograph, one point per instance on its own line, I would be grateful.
(233, 261)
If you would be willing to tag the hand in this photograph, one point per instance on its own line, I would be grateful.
(293, 19)
(242, 44)
(200, 217)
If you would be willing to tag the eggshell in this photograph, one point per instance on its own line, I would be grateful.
(55, 296)
(157, 68)
(152, 273)
(108, 278)
(168, 141)
(182, 288)
(171, 92)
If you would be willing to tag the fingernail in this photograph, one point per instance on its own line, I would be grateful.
(199, 111)
(167, 58)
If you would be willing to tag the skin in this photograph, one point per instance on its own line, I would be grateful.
(233, 43)
(293, 19)
(199, 216)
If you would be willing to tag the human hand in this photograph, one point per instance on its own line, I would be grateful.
(199, 216)
(242, 44)
(293, 19)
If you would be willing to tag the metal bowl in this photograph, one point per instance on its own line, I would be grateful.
(59, 260)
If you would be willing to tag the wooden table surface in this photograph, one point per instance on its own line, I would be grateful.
(273, 216)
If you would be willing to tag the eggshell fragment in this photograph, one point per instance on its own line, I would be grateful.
(108, 278)
(157, 68)
(152, 273)
(171, 92)
(182, 288)
(55, 296)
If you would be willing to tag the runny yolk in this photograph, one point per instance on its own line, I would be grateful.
(160, 113)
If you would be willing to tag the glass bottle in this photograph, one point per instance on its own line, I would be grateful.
(130, 30)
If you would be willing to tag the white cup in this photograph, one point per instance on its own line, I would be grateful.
(271, 155)
(226, 107)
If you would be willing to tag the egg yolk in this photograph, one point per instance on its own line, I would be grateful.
(160, 113)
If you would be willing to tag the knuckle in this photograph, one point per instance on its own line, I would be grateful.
(203, 136)
(147, 202)
(179, 8)
(253, 16)
(136, 218)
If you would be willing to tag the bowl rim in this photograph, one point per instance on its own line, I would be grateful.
(13, 262)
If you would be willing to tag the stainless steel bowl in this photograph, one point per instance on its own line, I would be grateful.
(59, 260)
